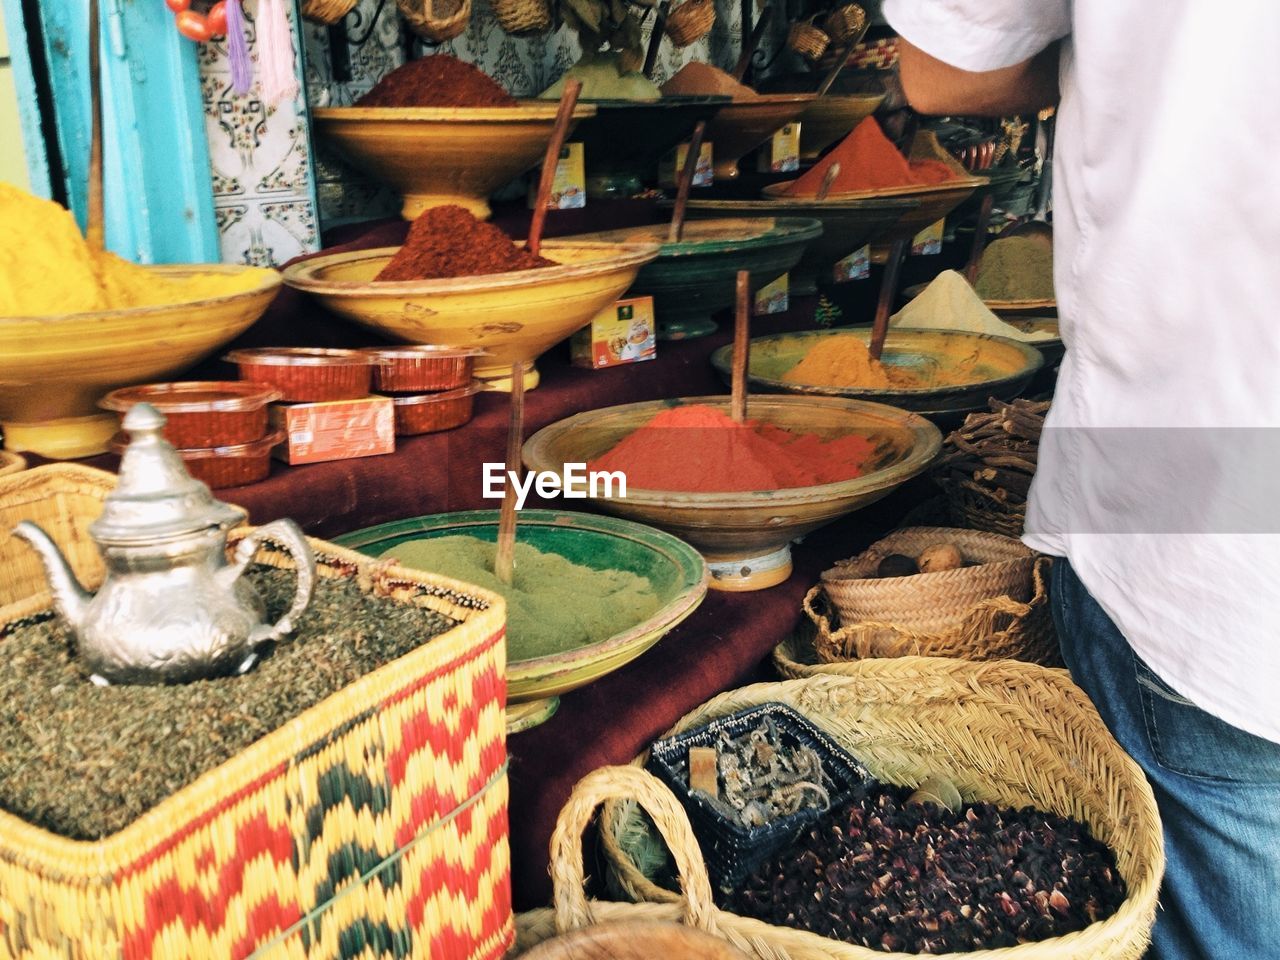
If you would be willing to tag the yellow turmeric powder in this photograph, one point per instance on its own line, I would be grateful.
(47, 268)
(843, 360)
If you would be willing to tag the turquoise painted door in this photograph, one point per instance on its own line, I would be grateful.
(159, 202)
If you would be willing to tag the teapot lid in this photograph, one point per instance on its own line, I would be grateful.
(156, 498)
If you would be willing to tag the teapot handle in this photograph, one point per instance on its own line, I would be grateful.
(289, 535)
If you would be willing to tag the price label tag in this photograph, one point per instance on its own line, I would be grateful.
(856, 266)
(673, 163)
(929, 240)
(783, 153)
(772, 298)
(569, 186)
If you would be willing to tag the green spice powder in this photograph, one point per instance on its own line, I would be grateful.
(553, 604)
(1016, 268)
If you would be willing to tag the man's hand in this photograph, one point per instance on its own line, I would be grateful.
(937, 88)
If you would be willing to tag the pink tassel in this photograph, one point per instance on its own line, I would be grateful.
(238, 49)
(276, 78)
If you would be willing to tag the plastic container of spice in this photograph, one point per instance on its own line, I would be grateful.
(227, 466)
(422, 369)
(202, 413)
(432, 412)
(308, 374)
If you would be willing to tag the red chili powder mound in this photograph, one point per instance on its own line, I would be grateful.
(869, 161)
(698, 449)
(449, 242)
(437, 81)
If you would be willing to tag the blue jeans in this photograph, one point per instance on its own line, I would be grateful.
(1217, 787)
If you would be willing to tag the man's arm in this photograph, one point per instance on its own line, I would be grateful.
(935, 87)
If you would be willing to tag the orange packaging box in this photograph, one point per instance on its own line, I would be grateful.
(335, 430)
(623, 332)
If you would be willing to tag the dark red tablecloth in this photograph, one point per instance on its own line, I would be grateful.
(724, 644)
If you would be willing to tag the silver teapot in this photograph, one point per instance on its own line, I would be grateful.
(171, 608)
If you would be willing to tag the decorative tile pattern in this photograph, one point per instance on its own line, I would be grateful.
(261, 165)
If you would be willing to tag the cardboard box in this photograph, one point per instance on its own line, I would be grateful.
(672, 164)
(622, 333)
(569, 185)
(336, 430)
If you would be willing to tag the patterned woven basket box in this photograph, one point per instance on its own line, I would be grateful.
(372, 825)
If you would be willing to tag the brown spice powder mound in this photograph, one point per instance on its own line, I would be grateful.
(449, 242)
(437, 81)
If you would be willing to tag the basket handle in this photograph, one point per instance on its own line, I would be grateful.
(986, 610)
(568, 875)
(819, 618)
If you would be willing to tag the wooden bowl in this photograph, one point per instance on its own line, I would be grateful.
(746, 536)
(932, 202)
(513, 317)
(443, 155)
(846, 226)
(678, 574)
(832, 117)
(743, 125)
(54, 369)
(1004, 370)
(696, 277)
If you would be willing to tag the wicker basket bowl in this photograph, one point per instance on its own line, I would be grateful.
(973, 506)
(807, 40)
(690, 22)
(11, 463)
(326, 12)
(523, 18)
(1013, 734)
(436, 20)
(844, 23)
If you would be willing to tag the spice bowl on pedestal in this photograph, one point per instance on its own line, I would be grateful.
(675, 571)
(513, 316)
(993, 367)
(746, 536)
(55, 369)
(695, 277)
(831, 117)
(743, 125)
(443, 155)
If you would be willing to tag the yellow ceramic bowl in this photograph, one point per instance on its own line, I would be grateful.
(442, 155)
(514, 317)
(832, 117)
(745, 536)
(53, 370)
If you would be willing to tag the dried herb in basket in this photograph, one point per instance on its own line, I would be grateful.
(918, 878)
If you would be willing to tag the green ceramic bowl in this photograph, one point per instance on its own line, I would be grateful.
(678, 573)
(696, 277)
(1004, 368)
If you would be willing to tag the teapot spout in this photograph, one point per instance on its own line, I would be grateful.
(69, 598)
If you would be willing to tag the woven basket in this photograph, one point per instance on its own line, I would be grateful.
(929, 602)
(1009, 733)
(974, 507)
(807, 40)
(690, 22)
(998, 628)
(523, 18)
(844, 23)
(11, 463)
(436, 20)
(326, 12)
(377, 818)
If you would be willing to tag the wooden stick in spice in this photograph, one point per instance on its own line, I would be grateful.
(741, 348)
(833, 171)
(979, 238)
(655, 38)
(687, 172)
(504, 558)
(841, 60)
(749, 48)
(888, 290)
(95, 222)
(564, 116)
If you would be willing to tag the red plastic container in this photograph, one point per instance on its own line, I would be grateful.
(229, 466)
(308, 374)
(432, 412)
(202, 413)
(422, 369)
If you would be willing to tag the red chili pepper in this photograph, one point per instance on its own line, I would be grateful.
(217, 19)
(193, 26)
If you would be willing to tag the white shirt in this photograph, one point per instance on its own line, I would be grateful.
(1159, 470)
